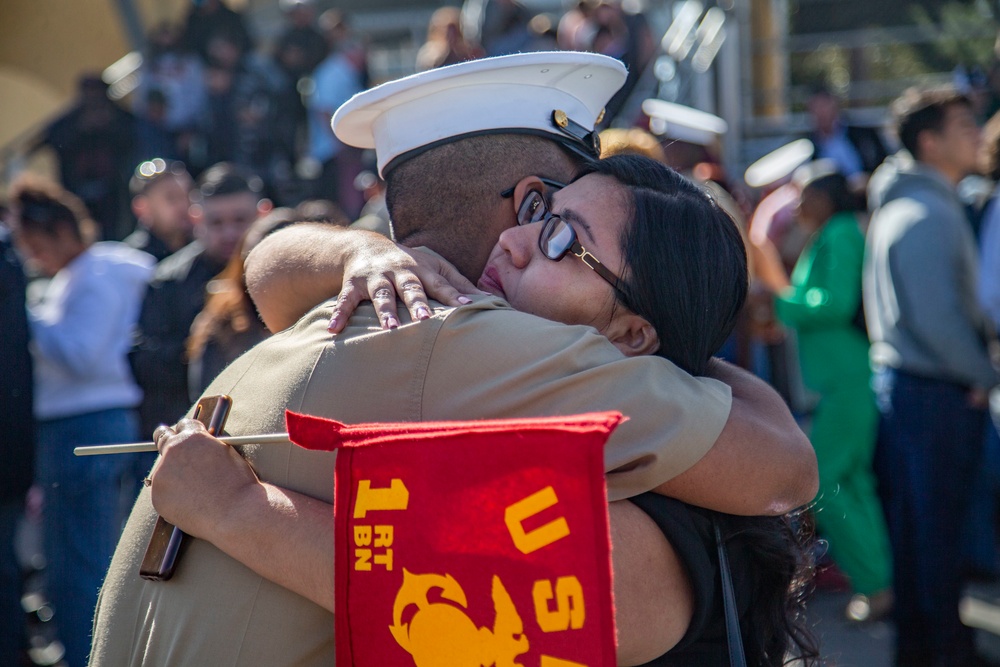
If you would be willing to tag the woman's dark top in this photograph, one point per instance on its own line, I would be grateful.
(689, 531)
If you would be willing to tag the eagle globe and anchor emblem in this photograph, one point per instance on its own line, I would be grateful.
(441, 634)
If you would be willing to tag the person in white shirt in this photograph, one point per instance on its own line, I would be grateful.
(84, 392)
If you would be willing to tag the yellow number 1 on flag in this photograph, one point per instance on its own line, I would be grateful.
(396, 497)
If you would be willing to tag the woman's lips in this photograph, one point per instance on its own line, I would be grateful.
(490, 282)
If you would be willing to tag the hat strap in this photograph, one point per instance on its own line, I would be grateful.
(589, 139)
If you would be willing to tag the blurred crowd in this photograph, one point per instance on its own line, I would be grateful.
(207, 93)
(125, 278)
(875, 313)
(874, 310)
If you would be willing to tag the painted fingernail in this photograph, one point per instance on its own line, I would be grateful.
(391, 322)
(464, 300)
(334, 321)
(422, 313)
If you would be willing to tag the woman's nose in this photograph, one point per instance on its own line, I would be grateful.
(517, 243)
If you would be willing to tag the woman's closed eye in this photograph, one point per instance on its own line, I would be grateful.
(578, 223)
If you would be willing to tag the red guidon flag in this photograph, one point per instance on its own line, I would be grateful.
(470, 543)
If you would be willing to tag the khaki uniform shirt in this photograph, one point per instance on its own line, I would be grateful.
(478, 361)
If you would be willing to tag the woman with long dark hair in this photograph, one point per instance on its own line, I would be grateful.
(677, 270)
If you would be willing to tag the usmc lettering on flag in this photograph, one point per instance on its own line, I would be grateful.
(470, 543)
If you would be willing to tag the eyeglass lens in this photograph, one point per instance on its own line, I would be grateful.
(532, 209)
(556, 236)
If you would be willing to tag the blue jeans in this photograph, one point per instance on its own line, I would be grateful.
(981, 549)
(12, 625)
(930, 445)
(82, 518)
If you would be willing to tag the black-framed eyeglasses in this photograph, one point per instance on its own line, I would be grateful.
(557, 238)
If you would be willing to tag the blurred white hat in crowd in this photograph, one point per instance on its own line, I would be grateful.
(779, 163)
(676, 121)
(289, 5)
(560, 95)
(814, 170)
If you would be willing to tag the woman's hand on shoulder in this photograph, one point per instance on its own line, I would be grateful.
(294, 269)
(382, 272)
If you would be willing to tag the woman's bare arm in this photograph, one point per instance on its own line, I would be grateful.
(760, 435)
(294, 269)
(653, 598)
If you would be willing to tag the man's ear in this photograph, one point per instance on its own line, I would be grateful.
(633, 335)
(140, 206)
(927, 144)
(197, 214)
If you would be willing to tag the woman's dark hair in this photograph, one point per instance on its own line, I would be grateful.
(686, 263)
(779, 566)
(686, 274)
(918, 110)
(826, 180)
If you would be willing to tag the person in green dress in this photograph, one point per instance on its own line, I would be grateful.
(821, 301)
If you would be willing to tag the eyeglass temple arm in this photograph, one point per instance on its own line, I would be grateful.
(595, 264)
(555, 185)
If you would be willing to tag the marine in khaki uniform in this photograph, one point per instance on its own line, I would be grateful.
(214, 611)
(482, 360)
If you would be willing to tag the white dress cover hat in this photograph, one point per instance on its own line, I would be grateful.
(779, 163)
(560, 95)
(676, 121)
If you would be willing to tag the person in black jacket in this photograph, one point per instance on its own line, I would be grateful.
(17, 446)
(95, 144)
(857, 150)
(205, 17)
(226, 201)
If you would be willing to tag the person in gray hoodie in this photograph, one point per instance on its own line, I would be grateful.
(932, 370)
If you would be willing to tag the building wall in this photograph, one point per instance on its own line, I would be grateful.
(55, 40)
(45, 45)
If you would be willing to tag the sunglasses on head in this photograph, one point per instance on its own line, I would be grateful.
(557, 238)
